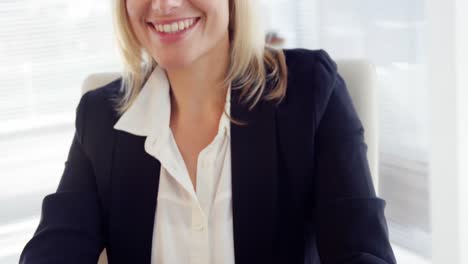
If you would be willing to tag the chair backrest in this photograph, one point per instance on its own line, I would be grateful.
(96, 80)
(360, 78)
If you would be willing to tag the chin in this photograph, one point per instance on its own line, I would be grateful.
(174, 62)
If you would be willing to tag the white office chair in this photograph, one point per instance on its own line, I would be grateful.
(360, 78)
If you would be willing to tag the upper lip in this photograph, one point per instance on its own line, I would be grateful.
(169, 20)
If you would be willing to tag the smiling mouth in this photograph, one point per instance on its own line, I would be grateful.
(175, 27)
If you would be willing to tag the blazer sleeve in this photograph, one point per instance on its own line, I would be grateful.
(70, 228)
(351, 224)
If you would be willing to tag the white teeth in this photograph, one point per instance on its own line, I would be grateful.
(175, 26)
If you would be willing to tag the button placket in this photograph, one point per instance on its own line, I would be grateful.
(168, 155)
(198, 219)
(204, 163)
(200, 241)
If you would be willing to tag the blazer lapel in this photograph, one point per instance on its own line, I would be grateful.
(254, 181)
(135, 185)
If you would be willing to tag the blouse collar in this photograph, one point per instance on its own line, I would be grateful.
(149, 114)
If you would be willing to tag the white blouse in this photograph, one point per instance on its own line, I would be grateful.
(190, 227)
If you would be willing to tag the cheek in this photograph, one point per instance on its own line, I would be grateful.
(130, 7)
(217, 12)
(212, 8)
(222, 13)
(134, 11)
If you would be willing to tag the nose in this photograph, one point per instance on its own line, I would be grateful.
(165, 6)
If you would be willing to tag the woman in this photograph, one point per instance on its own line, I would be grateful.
(213, 148)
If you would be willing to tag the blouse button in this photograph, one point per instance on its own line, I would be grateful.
(199, 227)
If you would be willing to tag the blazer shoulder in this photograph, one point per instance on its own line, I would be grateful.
(312, 78)
(311, 68)
(300, 58)
(96, 108)
(103, 98)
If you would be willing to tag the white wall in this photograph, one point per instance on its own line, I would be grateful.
(448, 67)
(462, 84)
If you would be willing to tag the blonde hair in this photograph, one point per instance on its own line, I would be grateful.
(252, 63)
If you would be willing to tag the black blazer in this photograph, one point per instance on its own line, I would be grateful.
(301, 185)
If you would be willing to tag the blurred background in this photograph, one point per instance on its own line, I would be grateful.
(48, 47)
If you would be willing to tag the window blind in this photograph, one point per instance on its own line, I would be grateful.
(47, 48)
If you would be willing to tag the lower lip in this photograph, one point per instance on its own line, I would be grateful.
(169, 38)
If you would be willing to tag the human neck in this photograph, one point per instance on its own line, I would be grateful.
(197, 91)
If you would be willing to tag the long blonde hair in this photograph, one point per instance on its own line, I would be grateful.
(252, 63)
